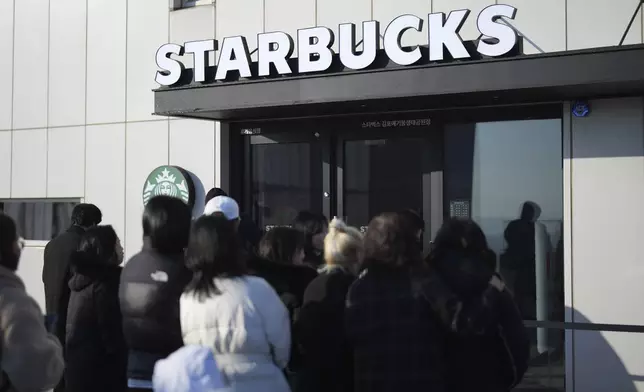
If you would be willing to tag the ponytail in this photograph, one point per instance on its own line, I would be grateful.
(342, 243)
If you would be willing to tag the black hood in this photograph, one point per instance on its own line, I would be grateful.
(282, 277)
(468, 275)
(85, 272)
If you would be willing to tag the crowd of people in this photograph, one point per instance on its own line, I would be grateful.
(214, 304)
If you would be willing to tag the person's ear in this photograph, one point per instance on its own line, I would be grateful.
(18, 246)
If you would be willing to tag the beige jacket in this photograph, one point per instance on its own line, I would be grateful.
(30, 357)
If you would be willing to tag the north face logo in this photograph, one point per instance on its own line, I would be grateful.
(159, 276)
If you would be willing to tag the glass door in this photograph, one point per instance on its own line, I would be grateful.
(284, 175)
(390, 171)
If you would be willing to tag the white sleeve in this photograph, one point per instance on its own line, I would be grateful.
(277, 322)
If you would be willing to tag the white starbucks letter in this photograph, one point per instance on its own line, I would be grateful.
(274, 48)
(370, 44)
(443, 34)
(234, 56)
(171, 69)
(314, 41)
(199, 50)
(393, 35)
(488, 25)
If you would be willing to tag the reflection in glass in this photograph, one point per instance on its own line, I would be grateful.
(39, 220)
(511, 175)
(546, 373)
(286, 179)
(382, 175)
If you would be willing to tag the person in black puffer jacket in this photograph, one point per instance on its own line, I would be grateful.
(96, 353)
(397, 339)
(280, 261)
(151, 284)
(491, 356)
(327, 358)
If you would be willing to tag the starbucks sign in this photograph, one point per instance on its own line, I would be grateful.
(170, 181)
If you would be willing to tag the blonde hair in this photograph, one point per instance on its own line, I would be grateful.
(342, 244)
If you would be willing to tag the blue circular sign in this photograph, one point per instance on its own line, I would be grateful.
(580, 109)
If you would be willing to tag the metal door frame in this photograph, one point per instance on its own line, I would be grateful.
(311, 136)
(432, 178)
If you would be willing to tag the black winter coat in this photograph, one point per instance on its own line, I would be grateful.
(151, 285)
(397, 339)
(327, 358)
(96, 355)
(56, 274)
(289, 281)
(491, 353)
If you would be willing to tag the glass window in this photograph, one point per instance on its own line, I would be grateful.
(508, 177)
(39, 220)
(382, 175)
(286, 179)
(178, 4)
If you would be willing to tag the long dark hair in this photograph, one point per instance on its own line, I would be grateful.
(213, 251)
(166, 224)
(97, 247)
(310, 224)
(8, 238)
(390, 242)
(280, 244)
(464, 236)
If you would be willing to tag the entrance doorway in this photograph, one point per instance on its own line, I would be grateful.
(488, 164)
(353, 168)
(385, 170)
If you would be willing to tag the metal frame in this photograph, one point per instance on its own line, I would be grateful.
(432, 168)
(569, 336)
(284, 137)
(334, 130)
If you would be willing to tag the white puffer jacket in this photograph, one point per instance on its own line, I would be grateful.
(248, 329)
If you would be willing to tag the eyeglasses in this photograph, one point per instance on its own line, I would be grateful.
(21, 243)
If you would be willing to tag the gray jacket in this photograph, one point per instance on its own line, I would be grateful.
(32, 359)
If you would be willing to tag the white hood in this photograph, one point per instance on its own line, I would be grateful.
(189, 369)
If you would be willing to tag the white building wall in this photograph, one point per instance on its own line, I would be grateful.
(607, 184)
(75, 122)
(75, 110)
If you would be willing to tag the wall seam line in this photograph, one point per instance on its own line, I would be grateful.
(263, 16)
(572, 240)
(168, 118)
(48, 91)
(161, 118)
(13, 95)
(86, 89)
(215, 165)
(125, 135)
(566, 24)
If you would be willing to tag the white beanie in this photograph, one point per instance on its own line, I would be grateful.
(189, 369)
(223, 204)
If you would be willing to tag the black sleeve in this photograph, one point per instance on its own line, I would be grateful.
(109, 317)
(515, 336)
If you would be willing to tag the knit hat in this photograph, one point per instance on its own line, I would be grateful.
(223, 204)
(190, 369)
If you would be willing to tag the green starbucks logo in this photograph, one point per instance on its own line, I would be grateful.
(169, 181)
